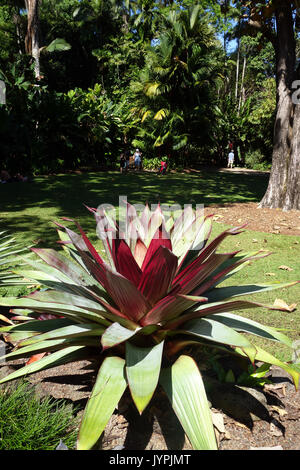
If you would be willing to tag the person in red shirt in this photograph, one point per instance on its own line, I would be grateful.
(163, 167)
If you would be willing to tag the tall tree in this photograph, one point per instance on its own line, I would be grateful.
(277, 20)
(32, 40)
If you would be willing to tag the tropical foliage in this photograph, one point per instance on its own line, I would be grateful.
(157, 290)
(8, 251)
(113, 75)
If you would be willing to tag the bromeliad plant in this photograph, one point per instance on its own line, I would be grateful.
(156, 292)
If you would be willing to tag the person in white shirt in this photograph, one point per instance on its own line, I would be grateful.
(230, 159)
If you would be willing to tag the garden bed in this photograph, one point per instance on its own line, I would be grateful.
(245, 418)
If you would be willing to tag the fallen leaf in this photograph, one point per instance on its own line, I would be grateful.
(218, 421)
(254, 240)
(35, 357)
(278, 410)
(281, 304)
(277, 388)
(285, 268)
(270, 274)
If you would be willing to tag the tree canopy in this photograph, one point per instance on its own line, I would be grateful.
(87, 79)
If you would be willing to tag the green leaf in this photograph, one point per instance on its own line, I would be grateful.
(50, 345)
(142, 369)
(212, 330)
(116, 334)
(37, 326)
(222, 293)
(59, 357)
(108, 389)
(266, 357)
(184, 386)
(194, 16)
(70, 311)
(87, 329)
(250, 326)
(58, 45)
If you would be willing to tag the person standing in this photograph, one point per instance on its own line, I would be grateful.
(230, 159)
(137, 159)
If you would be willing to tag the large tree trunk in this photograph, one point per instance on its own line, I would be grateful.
(283, 188)
(32, 43)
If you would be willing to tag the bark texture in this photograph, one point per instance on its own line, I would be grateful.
(284, 183)
(32, 42)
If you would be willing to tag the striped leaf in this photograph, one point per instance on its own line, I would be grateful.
(183, 384)
(142, 369)
(108, 389)
(59, 357)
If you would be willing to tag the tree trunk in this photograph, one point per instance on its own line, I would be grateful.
(283, 188)
(242, 92)
(32, 43)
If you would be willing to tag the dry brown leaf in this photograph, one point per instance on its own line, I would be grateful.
(270, 274)
(278, 410)
(281, 304)
(218, 421)
(279, 389)
(285, 268)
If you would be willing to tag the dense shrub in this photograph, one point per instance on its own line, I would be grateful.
(255, 160)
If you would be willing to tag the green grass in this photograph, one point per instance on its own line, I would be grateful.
(28, 211)
(285, 251)
(29, 423)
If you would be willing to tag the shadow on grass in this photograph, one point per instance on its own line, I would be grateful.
(32, 207)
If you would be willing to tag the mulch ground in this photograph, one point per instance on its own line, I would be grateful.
(269, 419)
(274, 221)
(158, 429)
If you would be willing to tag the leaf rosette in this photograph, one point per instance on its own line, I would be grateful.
(156, 291)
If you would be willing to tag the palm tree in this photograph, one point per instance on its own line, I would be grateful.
(174, 88)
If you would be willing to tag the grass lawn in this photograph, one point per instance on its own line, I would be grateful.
(28, 211)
